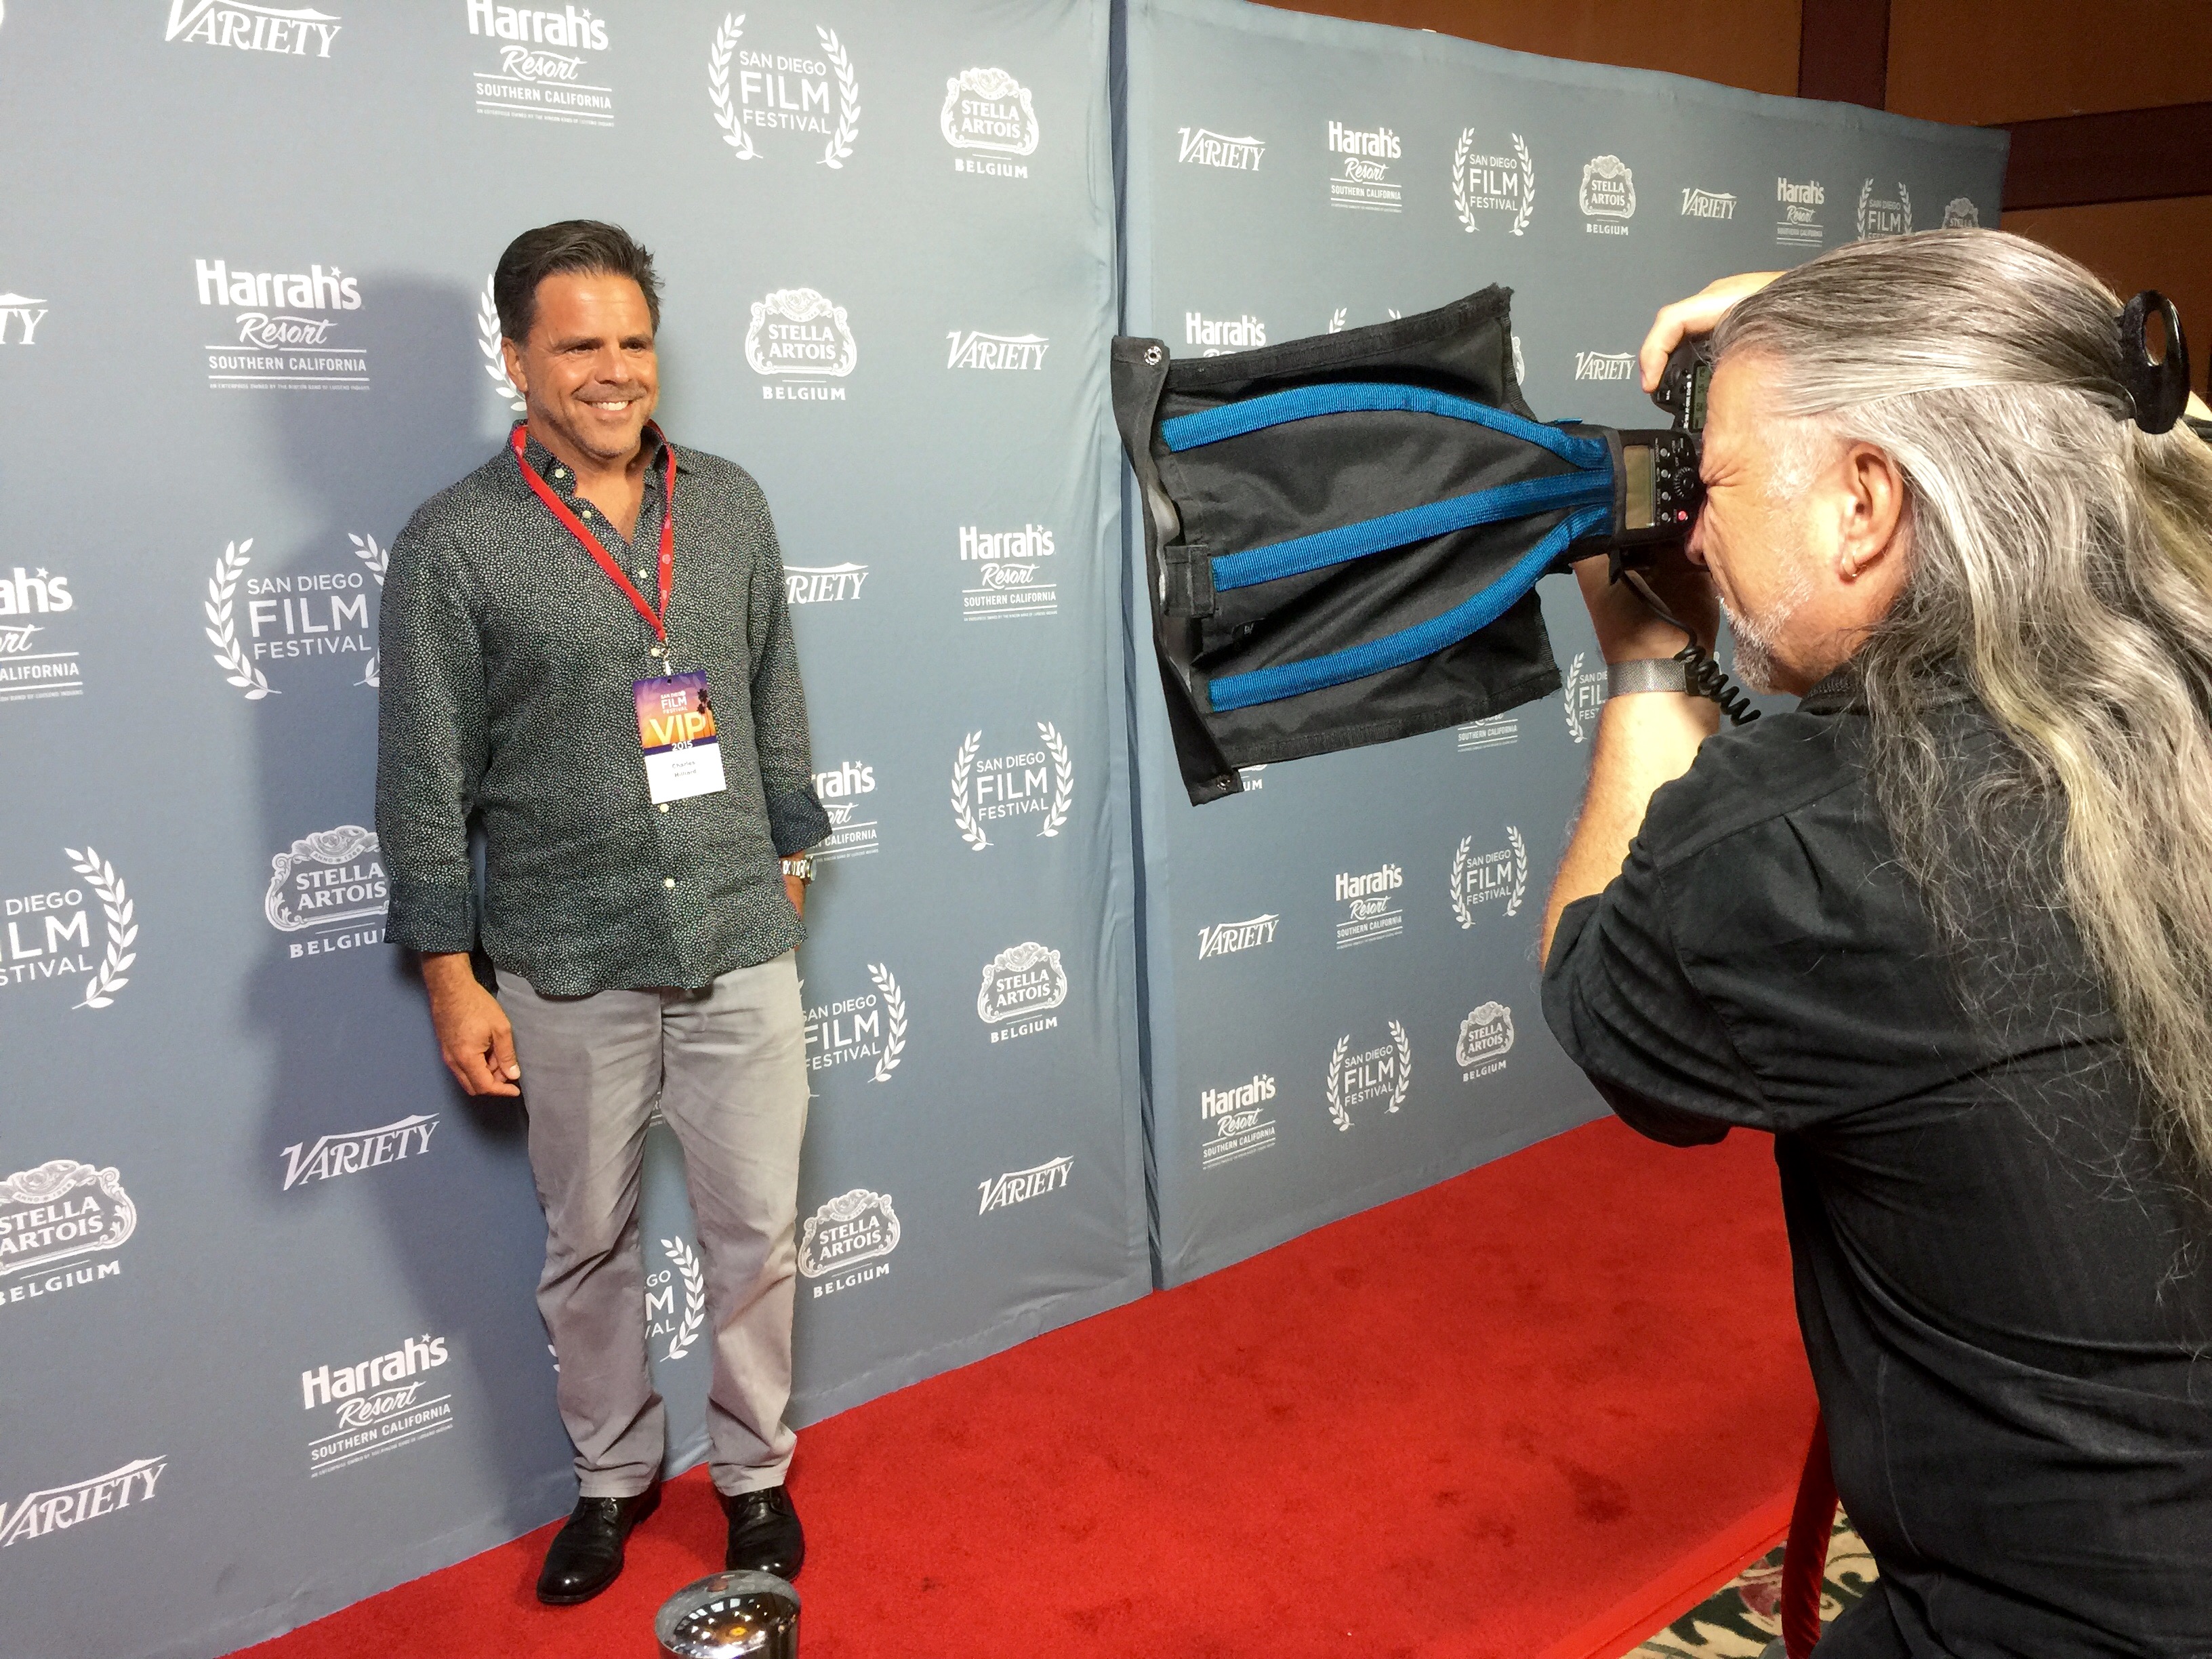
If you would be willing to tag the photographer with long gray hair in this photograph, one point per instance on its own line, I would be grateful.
(1945, 929)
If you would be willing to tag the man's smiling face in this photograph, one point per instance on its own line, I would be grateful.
(587, 371)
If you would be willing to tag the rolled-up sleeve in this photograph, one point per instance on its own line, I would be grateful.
(795, 818)
(431, 738)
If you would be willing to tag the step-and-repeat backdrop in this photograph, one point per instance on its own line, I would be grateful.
(1341, 961)
(267, 1334)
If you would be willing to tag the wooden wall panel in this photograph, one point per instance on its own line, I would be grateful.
(1981, 63)
(2164, 245)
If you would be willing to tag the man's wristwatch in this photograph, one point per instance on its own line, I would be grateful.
(1624, 679)
(802, 866)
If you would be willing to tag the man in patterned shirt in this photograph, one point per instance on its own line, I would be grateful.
(585, 653)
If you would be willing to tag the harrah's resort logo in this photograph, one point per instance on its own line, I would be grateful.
(358, 1150)
(1019, 1186)
(1707, 203)
(1221, 334)
(995, 354)
(1237, 1122)
(60, 1224)
(844, 1242)
(780, 99)
(1228, 938)
(1607, 196)
(988, 118)
(1495, 733)
(1799, 224)
(377, 1405)
(1198, 147)
(1020, 985)
(1485, 1037)
(541, 73)
(331, 887)
(1370, 911)
(842, 790)
(1006, 573)
(286, 329)
(57, 1508)
(294, 31)
(34, 665)
(1363, 179)
(800, 340)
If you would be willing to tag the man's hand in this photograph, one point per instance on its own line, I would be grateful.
(1694, 316)
(474, 1037)
(796, 891)
(1629, 630)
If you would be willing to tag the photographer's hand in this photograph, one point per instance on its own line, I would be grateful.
(1694, 316)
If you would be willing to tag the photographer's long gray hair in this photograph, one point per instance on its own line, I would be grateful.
(2060, 563)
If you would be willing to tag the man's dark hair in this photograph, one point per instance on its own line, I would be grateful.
(577, 244)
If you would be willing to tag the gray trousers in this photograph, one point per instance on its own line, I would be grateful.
(727, 1068)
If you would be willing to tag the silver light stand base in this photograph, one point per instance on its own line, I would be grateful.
(732, 1615)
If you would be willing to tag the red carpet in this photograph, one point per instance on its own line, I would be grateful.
(1546, 1404)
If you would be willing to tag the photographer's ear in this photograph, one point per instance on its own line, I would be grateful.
(1870, 507)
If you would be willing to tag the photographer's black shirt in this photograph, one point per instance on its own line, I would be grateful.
(2005, 1302)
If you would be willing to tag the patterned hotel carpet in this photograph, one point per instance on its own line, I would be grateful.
(1740, 1620)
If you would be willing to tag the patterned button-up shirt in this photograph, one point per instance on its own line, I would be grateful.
(508, 661)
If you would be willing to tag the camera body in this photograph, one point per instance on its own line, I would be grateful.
(1657, 491)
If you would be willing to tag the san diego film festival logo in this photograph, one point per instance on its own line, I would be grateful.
(291, 31)
(331, 887)
(866, 1025)
(286, 327)
(1357, 1079)
(376, 1405)
(1362, 179)
(800, 339)
(57, 1508)
(988, 115)
(1372, 911)
(664, 1321)
(1006, 572)
(1020, 1186)
(845, 1241)
(1201, 146)
(1607, 196)
(488, 339)
(1229, 938)
(50, 938)
(1584, 696)
(1882, 214)
(1502, 187)
(839, 789)
(1799, 225)
(330, 1157)
(780, 99)
(1021, 985)
(35, 664)
(1485, 1037)
(19, 317)
(60, 1224)
(1000, 788)
(1707, 203)
(315, 621)
(1499, 876)
(1239, 1121)
(540, 72)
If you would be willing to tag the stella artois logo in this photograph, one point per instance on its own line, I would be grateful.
(1486, 1036)
(60, 1210)
(986, 109)
(856, 1227)
(1959, 213)
(796, 330)
(1021, 979)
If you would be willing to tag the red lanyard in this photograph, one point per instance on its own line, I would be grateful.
(560, 510)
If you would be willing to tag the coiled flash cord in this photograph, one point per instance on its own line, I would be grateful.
(1702, 676)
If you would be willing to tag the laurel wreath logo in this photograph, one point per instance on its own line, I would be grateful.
(1460, 907)
(1528, 185)
(1337, 1115)
(1459, 181)
(1063, 778)
(1405, 1065)
(1567, 690)
(895, 1034)
(971, 831)
(229, 655)
(686, 1262)
(115, 901)
(1336, 320)
(718, 85)
(1520, 869)
(1904, 201)
(1866, 190)
(840, 146)
(379, 561)
(487, 343)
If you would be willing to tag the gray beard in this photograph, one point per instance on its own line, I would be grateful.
(1757, 666)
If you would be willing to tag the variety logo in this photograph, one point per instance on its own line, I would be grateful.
(31, 668)
(845, 1233)
(376, 1405)
(1222, 334)
(1884, 215)
(1800, 224)
(1959, 213)
(662, 1318)
(1503, 186)
(869, 1026)
(542, 74)
(1584, 696)
(1019, 985)
(1383, 1072)
(331, 879)
(287, 323)
(1604, 366)
(1485, 1037)
(774, 93)
(332, 1156)
(1707, 204)
(52, 1220)
(58, 1509)
(1007, 568)
(49, 937)
(1226, 938)
(1493, 734)
(1369, 911)
(19, 317)
(987, 111)
(1029, 782)
(993, 353)
(822, 584)
(1237, 1122)
(851, 836)
(1608, 196)
(1019, 1186)
(315, 619)
(1197, 147)
(1481, 879)
(1363, 180)
(296, 31)
(802, 338)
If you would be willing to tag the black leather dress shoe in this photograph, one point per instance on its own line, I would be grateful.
(586, 1554)
(765, 1535)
